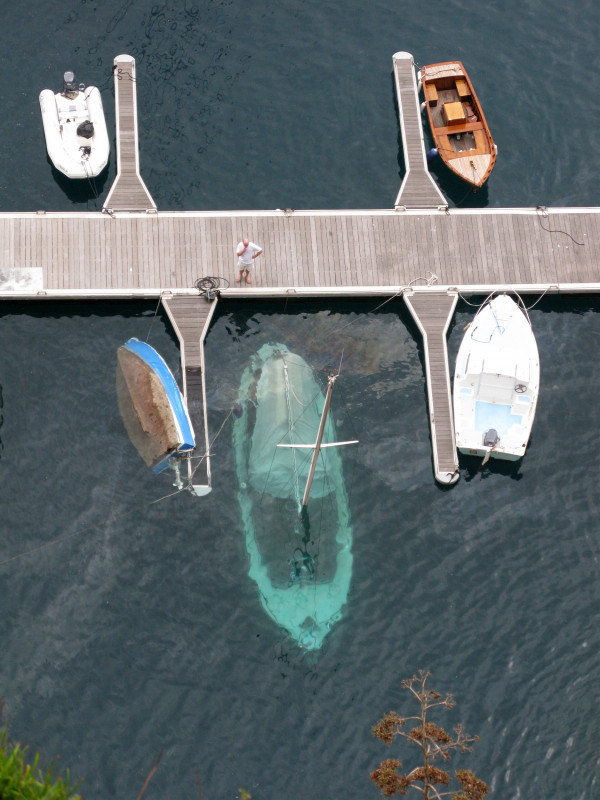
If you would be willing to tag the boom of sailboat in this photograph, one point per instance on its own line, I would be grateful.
(318, 445)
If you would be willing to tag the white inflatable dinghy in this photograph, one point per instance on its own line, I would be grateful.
(75, 129)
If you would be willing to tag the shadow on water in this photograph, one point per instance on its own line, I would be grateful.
(472, 467)
(80, 191)
(401, 161)
(48, 309)
(548, 304)
(456, 190)
(242, 313)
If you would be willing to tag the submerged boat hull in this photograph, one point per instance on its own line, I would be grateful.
(496, 382)
(301, 562)
(74, 155)
(458, 125)
(151, 405)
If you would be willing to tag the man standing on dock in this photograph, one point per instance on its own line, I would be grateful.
(246, 251)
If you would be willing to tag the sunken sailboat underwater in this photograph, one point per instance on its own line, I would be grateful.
(459, 128)
(292, 496)
(152, 407)
(496, 382)
(75, 129)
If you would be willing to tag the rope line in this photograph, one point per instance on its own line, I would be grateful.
(542, 212)
(154, 317)
(203, 457)
(90, 178)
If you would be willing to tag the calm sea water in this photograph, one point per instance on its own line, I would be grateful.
(131, 627)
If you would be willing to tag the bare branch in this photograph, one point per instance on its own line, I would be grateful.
(434, 742)
(150, 774)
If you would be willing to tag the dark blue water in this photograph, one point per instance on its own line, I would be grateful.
(131, 626)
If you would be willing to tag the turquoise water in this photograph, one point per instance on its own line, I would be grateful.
(296, 519)
(132, 626)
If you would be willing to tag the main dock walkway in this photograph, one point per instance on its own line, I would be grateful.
(420, 248)
(307, 252)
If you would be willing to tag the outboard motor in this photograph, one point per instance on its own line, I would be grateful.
(491, 438)
(69, 88)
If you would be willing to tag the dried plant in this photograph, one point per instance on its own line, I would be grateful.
(434, 743)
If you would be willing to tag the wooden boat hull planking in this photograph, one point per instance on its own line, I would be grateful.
(458, 125)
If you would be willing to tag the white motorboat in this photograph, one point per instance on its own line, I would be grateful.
(496, 382)
(75, 129)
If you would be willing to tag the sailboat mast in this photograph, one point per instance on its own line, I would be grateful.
(317, 447)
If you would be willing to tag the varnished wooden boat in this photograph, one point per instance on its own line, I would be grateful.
(462, 137)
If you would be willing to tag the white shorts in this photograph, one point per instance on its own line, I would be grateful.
(242, 265)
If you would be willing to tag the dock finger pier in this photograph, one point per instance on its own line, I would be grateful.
(419, 249)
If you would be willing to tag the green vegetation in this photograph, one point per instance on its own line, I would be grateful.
(20, 780)
(433, 742)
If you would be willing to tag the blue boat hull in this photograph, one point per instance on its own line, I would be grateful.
(152, 406)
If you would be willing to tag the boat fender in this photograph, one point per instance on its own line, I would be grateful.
(238, 411)
(431, 153)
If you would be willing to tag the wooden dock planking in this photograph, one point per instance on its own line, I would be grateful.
(327, 268)
(432, 311)
(361, 252)
(418, 189)
(128, 192)
(295, 235)
(191, 317)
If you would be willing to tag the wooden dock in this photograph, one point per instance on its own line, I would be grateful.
(418, 189)
(432, 312)
(307, 253)
(191, 319)
(128, 192)
(420, 248)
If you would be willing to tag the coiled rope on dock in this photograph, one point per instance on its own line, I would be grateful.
(210, 286)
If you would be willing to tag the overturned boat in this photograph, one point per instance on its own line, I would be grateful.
(75, 129)
(151, 405)
(294, 505)
(496, 382)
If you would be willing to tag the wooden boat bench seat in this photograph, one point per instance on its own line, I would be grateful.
(431, 93)
(462, 87)
(465, 127)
